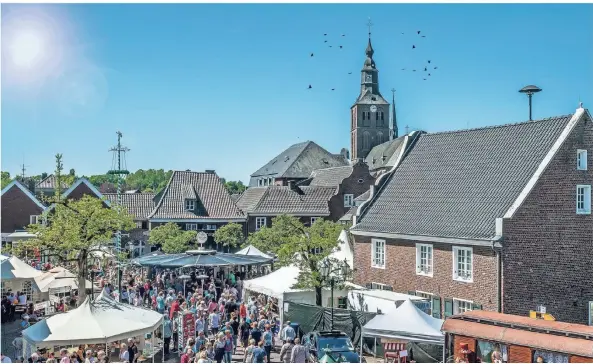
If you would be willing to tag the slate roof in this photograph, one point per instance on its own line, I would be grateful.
(140, 205)
(213, 199)
(50, 183)
(455, 184)
(330, 177)
(348, 215)
(283, 200)
(298, 161)
(385, 154)
(362, 198)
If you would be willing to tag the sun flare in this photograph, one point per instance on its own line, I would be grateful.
(27, 48)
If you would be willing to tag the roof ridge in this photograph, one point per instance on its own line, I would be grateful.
(324, 169)
(165, 190)
(500, 125)
(308, 144)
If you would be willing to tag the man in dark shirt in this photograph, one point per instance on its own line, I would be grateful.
(132, 350)
(255, 333)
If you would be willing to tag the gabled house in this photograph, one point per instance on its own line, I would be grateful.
(47, 187)
(20, 208)
(296, 164)
(384, 156)
(495, 218)
(308, 203)
(196, 201)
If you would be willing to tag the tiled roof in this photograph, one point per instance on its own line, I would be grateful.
(139, 205)
(284, 200)
(213, 199)
(385, 154)
(298, 161)
(363, 197)
(330, 177)
(50, 183)
(455, 184)
(348, 215)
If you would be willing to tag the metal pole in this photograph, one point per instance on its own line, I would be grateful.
(118, 234)
(332, 299)
(529, 95)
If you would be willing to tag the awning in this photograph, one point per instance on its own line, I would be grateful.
(251, 250)
(531, 339)
(199, 258)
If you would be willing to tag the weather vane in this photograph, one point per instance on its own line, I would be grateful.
(370, 24)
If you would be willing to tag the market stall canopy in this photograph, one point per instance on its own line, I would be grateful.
(406, 322)
(12, 268)
(57, 278)
(275, 284)
(94, 322)
(377, 300)
(253, 251)
(199, 258)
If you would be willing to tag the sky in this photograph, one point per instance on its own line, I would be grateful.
(225, 86)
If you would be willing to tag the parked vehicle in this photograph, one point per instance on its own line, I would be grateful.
(335, 344)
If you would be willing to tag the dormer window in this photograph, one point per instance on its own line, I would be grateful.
(190, 204)
(582, 159)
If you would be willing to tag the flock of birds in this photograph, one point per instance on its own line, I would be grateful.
(426, 69)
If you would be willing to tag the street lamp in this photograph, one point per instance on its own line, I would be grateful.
(336, 273)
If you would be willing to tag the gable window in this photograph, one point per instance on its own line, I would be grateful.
(260, 222)
(378, 254)
(348, 199)
(191, 226)
(424, 259)
(190, 204)
(313, 219)
(461, 306)
(581, 159)
(34, 219)
(462, 264)
(584, 199)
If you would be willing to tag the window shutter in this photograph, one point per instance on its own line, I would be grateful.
(412, 293)
(448, 307)
(436, 307)
(476, 306)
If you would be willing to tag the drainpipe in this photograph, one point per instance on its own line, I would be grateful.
(498, 277)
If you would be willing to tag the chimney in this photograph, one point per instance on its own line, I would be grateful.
(211, 171)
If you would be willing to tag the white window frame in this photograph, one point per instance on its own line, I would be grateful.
(581, 159)
(348, 200)
(428, 271)
(138, 224)
(210, 227)
(260, 222)
(190, 204)
(583, 199)
(467, 306)
(313, 219)
(34, 219)
(191, 226)
(376, 285)
(469, 251)
(378, 263)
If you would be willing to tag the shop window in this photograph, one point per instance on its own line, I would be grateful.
(489, 352)
(549, 357)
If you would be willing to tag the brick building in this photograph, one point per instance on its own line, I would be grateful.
(497, 218)
(195, 201)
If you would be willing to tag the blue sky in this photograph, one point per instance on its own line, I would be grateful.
(223, 87)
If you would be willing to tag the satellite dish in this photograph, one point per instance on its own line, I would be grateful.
(202, 237)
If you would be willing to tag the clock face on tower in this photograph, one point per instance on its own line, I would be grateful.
(369, 78)
(373, 108)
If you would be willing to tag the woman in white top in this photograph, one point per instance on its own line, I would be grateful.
(23, 299)
(124, 356)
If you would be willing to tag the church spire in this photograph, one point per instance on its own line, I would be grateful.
(393, 132)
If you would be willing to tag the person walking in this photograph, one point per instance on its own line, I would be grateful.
(167, 333)
(288, 333)
(286, 351)
(268, 342)
(219, 348)
(228, 347)
(299, 352)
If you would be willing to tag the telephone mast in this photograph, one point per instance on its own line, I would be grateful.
(119, 156)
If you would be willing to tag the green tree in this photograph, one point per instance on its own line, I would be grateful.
(230, 235)
(303, 246)
(75, 229)
(43, 175)
(6, 179)
(234, 186)
(171, 238)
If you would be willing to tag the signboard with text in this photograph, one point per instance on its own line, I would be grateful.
(187, 328)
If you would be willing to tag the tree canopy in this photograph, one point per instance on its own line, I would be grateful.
(234, 186)
(229, 235)
(171, 238)
(304, 246)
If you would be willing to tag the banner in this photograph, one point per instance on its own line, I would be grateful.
(187, 328)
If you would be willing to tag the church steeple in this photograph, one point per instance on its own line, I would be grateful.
(393, 133)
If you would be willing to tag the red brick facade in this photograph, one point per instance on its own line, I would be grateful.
(548, 247)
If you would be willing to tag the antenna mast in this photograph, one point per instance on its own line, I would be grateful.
(119, 155)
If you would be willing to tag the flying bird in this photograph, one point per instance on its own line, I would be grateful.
(429, 74)
(311, 54)
(333, 89)
(413, 47)
(310, 87)
(340, 47)
(429, 61)
(403, 69)
(324, 34)
(425, 69)
(418, 32)
(330, 46)
(424, 79)
(402, 33)
(423, 36)
(349, 73)
(343, 35)
(413, 70)
(435, 68)
(325, 41)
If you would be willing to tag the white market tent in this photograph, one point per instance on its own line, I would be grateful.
(377, 300)
(251, 250)
(406, 322)
(14, 269)
(94, 322)
(58, 279)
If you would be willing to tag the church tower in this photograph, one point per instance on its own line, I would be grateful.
(369, 116)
